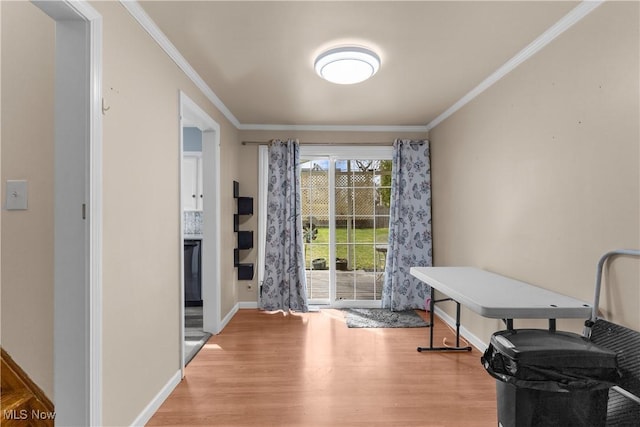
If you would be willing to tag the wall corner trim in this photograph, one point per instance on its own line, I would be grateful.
(575, 15)
(158, 400)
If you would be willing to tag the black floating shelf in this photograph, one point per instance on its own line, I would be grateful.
(245, 239)
(245, 205)
(245, 271)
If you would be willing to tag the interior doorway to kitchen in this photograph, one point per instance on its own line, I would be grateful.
(208, 251)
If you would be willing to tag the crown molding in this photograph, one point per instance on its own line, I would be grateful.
(138, 13)
(147, 23)
(566, 22)
(335, 128)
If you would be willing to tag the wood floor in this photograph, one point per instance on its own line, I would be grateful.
(311, 370)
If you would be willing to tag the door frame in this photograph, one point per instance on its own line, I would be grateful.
(191, 115)
(77, 330)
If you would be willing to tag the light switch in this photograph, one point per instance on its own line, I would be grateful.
(16, 195)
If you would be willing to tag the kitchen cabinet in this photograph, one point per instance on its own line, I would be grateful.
(192, 182)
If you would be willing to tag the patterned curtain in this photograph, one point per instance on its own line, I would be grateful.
(409, 226)
(285, 285)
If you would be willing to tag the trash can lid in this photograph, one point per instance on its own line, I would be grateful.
(542, 347)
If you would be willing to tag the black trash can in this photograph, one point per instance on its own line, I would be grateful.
(550, 378)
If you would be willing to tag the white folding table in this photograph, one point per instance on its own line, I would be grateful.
(495, 296)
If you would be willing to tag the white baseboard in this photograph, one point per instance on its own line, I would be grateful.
(239, 306)
(247, 304)
(158, 400)
(464, 332)
(228, 317)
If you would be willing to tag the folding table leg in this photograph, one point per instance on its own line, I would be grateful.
(432, 325)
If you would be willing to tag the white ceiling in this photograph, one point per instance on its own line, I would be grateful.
(258, 56)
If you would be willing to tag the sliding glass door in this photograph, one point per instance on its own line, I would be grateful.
(315, 181)
(345, 205)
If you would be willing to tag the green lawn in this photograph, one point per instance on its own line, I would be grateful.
(362, 244)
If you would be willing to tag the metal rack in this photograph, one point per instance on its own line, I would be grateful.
(624, 400)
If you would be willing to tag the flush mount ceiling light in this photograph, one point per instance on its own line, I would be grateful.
(347, 65)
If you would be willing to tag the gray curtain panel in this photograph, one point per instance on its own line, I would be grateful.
(410, 243)
(284, 286)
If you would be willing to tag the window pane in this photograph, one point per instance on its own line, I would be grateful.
(314, 184)
(362, 225)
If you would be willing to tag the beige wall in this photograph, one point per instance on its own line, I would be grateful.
(27, 148)
(539, 176)
(141, 214)
(248, 176)
(141, 247)
(535, 179)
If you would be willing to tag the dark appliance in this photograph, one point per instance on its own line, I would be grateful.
(192, 273)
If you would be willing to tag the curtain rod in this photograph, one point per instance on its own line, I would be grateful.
(385, 143)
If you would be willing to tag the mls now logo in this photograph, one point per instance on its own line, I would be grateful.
(24, 414)
(14, 414)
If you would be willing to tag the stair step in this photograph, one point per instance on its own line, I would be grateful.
(14, 382)
(23, 409)
(15, 401)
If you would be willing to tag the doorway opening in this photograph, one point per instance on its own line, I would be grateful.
(77, 329)
(192, 198)
(199, 227)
